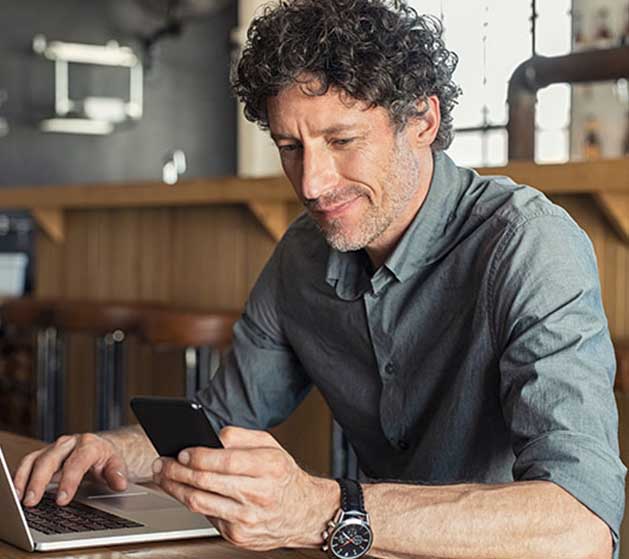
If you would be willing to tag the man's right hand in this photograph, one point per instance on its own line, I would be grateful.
(68, 459)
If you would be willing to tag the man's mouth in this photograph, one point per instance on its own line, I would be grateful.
(334, 211)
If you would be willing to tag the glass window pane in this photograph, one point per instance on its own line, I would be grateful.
(496, 148)
(508, 45)
(552, 146)
(467, 149)
(554, 24)
(553, 106)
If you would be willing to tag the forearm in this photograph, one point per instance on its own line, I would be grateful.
(516, 520)
(135, 448)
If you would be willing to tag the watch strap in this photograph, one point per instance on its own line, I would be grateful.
(351, 495)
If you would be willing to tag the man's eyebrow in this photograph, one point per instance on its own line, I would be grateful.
(325, 132)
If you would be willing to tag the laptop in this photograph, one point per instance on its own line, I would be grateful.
(97, 516)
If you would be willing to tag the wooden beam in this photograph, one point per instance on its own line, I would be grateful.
(585, 177)
(272, 215)
(615, 208)
(227, 190)
(575, 177)
(51, 220)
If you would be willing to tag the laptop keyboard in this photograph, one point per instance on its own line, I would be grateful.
(50, 518)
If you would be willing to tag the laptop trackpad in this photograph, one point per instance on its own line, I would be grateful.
(133, 502)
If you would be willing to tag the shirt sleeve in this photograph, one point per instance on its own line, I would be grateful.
(260, 381)
(557, 363)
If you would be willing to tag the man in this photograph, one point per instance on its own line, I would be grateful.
(452, 322)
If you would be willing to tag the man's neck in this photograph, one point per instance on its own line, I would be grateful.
(385, 244)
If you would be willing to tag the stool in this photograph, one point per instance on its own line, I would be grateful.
(202, 335)
(36, 314)
(110, 323)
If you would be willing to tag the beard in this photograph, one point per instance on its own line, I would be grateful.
(399, 184)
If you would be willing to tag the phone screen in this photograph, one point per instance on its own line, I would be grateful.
(173, 424)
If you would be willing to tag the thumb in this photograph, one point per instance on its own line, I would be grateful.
(239, 437)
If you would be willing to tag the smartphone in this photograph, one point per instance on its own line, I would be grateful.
(173, 424)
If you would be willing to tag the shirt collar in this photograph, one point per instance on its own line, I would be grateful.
(426, 238)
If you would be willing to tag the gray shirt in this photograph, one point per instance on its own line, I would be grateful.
(479, 352)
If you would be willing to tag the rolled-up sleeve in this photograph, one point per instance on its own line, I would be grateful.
(557, 364)
(260, 381)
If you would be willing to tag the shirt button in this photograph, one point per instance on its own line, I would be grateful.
(389, 369)
(403, 445)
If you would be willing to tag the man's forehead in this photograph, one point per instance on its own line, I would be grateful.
(328, 113)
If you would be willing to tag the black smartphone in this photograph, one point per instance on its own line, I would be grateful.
(173, 424)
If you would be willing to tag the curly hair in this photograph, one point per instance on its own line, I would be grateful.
(377, 51)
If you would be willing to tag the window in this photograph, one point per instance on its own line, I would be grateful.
(491, 38)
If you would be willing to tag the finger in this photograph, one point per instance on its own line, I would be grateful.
(115, 474)
(74, 470)
(239, 488)
(202, 502)
(44, 468)
(231, 461)
(23, 472)
(238, 437)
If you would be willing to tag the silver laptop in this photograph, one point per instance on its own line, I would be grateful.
(97, 516)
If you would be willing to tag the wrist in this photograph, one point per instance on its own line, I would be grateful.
(322, 506)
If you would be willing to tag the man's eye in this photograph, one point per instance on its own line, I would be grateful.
(342, 141)
(288, 148)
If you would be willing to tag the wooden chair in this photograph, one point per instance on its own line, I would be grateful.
(110, 322)
(203, 336)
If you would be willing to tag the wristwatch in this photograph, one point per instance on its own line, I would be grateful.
(349, 535)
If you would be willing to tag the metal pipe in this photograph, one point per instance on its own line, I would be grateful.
(541, 71)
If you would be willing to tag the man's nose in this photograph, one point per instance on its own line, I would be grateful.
(319, 173)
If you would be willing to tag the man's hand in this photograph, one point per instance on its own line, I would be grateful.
(252, 491)
(68, 459)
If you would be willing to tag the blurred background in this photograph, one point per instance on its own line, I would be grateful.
(137, 207)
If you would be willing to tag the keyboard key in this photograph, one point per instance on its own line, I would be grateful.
(49, 518)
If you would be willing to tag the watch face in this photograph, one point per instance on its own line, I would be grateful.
(351, 540)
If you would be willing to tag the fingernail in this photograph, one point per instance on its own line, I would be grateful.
(157, 466)
(120, 474)
(62, 496)
(19, 493)
(30, 496)
(184, 457)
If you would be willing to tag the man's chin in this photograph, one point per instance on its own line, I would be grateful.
(341, 242)
(338, 236)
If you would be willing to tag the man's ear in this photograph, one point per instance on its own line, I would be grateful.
(424, 129)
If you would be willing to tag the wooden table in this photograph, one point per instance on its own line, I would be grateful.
(14, 447)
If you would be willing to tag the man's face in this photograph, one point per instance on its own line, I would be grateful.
(351, 169)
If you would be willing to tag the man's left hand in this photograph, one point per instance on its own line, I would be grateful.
(252, 491)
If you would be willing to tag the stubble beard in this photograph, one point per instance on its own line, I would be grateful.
(399, 183)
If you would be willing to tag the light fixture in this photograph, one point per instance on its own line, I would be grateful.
(92, 114)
